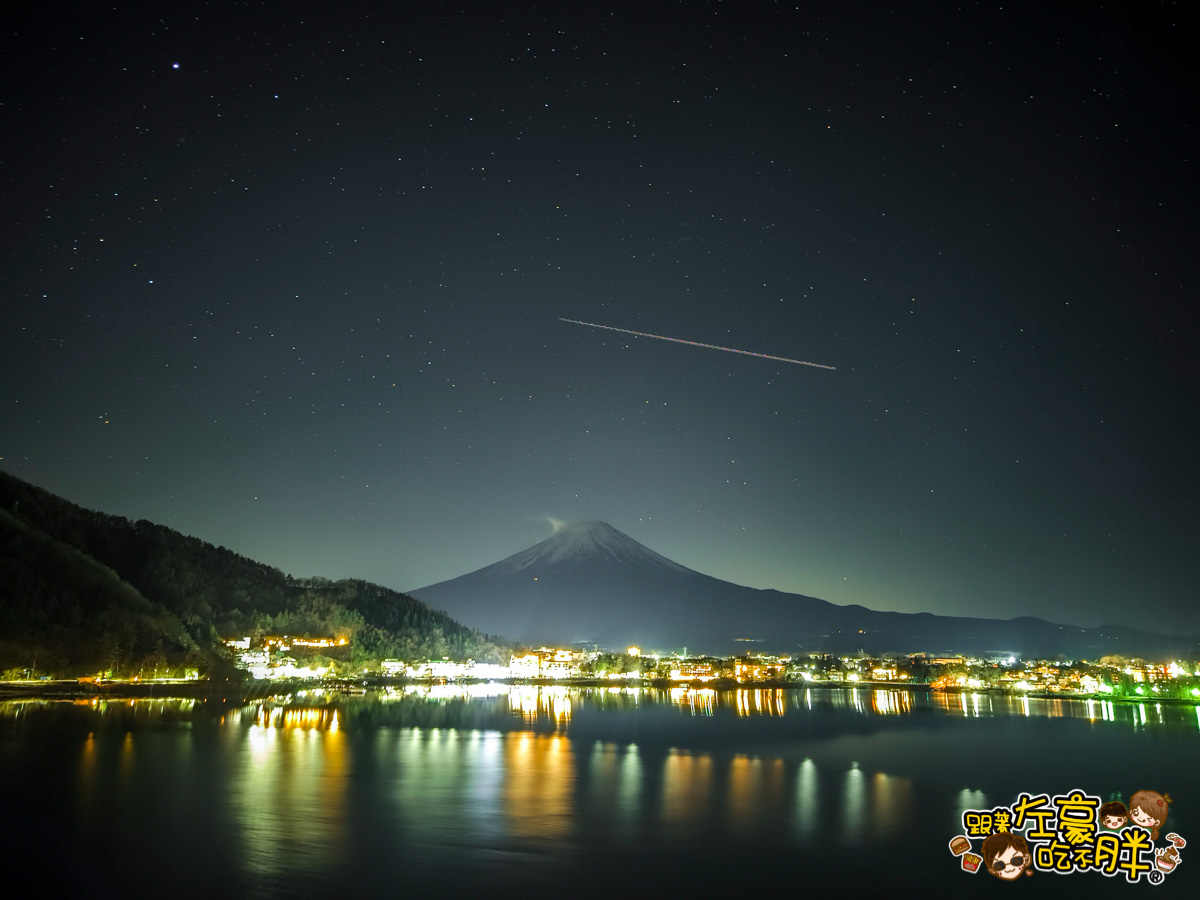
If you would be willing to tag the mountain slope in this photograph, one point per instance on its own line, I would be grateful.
(591, 583)
(63, 612)
(210, 591)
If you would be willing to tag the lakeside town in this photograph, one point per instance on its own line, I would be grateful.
(276, 657)
(275, 660)
(1110, 677)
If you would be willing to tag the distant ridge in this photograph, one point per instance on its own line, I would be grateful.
(590, 583)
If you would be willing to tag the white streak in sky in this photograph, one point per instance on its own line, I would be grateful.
(660, 337)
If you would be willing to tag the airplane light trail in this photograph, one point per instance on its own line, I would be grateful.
(660, 337)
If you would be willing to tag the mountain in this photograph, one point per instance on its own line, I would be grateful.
(590, 583)
(81, 591)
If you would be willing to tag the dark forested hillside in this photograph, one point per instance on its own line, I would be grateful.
(201, 593)
(64, 613)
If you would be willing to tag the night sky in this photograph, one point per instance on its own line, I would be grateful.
(289, 278)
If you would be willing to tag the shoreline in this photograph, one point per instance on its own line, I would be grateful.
(255, 690)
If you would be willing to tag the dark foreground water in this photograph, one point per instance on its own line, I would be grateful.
(495, 791)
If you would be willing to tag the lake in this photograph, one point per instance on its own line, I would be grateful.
(496, 790)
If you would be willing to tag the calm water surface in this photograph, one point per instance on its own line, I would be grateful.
(504, 791)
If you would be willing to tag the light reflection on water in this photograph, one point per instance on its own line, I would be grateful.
(287, 774)
(556, 703)
(310, 791)
(538, 786)
(534, 702)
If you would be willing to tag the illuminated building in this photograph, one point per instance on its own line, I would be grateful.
(487, 671)
(757, 670)
(693, 670)
(546, 662)
(317, 642)
(528, 665)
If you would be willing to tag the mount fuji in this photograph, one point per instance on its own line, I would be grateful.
(591, 584)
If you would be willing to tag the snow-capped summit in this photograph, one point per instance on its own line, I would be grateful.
(595, 543)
